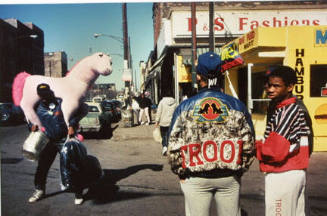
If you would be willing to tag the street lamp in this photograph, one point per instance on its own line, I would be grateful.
(128, 64)
(119, 39)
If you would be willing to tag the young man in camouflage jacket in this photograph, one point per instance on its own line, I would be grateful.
(211, 144)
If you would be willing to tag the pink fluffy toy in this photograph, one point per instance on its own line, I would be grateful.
(71, 89)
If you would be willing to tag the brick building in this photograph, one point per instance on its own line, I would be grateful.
(55, 64)
(21, 49)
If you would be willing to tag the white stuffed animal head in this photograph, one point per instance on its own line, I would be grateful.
(102, 63)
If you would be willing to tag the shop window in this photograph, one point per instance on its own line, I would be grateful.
(258, 92)
(318, 81)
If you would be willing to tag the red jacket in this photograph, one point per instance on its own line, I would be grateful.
(285, 146)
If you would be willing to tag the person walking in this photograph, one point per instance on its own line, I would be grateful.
(284, 153)
(50, 114)
(144, 104)
(163, 118)
(211, 144)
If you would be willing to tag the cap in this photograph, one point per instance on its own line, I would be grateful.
(43, 90)
(209, 65)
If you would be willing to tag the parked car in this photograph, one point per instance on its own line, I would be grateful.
(113, 108)
(11, 114)
(97, 120)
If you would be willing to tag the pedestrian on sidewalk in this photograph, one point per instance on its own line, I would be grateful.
(144, 104)
(136, 109)
(166, 108)
(50, 114)
(284, 154)
(211, 144)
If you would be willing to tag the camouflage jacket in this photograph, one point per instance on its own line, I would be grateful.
(213, 132)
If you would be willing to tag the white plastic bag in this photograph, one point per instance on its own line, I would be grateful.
(157, 135)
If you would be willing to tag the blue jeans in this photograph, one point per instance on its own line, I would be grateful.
(164, 135)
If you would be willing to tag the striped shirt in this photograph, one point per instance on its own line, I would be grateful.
(289, 122)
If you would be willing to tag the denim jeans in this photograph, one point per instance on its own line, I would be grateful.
(164, 135)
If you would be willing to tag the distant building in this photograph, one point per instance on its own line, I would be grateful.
(104, 90)
(21, 49)
(55, 64)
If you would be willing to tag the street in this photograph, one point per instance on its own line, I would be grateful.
(137, 179)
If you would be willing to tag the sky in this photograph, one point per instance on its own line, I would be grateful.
(70, 28)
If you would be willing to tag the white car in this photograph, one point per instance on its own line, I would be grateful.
(96, 120)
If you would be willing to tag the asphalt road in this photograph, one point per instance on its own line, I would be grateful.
(137, 180)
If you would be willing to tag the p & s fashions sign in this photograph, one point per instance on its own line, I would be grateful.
(238, 23)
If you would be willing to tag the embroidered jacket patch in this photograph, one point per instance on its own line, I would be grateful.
(210, 109)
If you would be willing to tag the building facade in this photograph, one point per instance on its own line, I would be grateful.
(169, 66)
(55, 64)
(21, 49)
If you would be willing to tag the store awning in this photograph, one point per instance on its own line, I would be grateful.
(262, 46)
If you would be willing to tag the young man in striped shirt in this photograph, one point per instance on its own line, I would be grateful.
(284, 154)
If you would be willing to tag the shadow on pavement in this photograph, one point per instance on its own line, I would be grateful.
(106, 134)
(106, 190)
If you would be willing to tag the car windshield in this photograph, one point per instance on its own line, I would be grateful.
(93, 109)
(5, 106)
(107, 106)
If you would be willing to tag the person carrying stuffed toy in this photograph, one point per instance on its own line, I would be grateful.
(49, 111)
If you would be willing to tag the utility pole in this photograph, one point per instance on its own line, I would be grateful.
(211, 33)
(194, 45)
(128, 117)
(125, 40)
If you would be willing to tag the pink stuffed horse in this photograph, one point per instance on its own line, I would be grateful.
(71, 88)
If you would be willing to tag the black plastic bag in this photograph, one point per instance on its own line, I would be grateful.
(72, 158)
(78, 170)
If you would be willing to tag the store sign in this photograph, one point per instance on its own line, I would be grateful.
(184, 71)
(241, 22)
(321, 37)
(299, 70)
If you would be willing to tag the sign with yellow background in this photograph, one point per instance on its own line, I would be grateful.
(184, 71)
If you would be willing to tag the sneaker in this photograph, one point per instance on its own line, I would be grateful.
(37, 195)
(78, 201)
(78, 198)
(164, 151)
(147, 123)
(142, 123)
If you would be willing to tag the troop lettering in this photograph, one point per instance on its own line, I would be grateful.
(197, 153)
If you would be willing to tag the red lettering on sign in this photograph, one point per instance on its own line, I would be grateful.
(219, 24)
(190, 23)
(242, 23)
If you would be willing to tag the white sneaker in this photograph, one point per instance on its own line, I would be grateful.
(37, 195)
(142, 123)
(147, 123)
(78, 201)
(164, 151)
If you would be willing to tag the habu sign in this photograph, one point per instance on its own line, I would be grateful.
(241, 22)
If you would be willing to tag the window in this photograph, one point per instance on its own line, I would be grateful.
(318, 81)
(93, 109)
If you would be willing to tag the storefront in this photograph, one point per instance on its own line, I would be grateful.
(303, 48)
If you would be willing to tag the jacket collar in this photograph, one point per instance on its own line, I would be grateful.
(286, 102)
